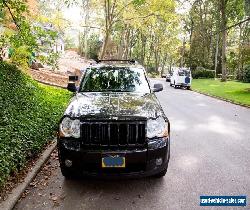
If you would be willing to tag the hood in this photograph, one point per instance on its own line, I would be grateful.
(110, 105)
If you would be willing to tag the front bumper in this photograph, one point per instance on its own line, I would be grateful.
(140, 162)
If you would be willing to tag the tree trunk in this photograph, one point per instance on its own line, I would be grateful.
(105, 44)
(126, 42)
(239, 75)
(224, 40)
(182, 53)
(120, 47)
(216, 55)
(86, 20)
(190, 41)
(143, 47)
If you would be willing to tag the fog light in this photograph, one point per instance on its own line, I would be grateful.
(68, 163)
(158, 161)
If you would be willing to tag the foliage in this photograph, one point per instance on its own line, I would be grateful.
(15, 18)
(53, 60)
(205, 24)
(28, 118)
(20, 57)
(141, 29)
(93, 46)
(69, 43)
(25, 34)
(246, 74)
(202, 73)
(235, 91)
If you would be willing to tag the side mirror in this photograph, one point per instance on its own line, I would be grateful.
(157, 87)
(71, 87)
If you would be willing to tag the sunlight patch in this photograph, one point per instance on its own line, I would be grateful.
(218, 125)
(188, 162)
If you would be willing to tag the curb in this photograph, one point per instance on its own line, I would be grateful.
(17, 192)
(223, 99)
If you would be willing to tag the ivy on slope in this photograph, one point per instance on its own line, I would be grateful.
(29, 116)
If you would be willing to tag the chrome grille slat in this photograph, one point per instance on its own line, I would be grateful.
(112, 133)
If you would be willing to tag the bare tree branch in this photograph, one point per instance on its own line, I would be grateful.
(11, 14)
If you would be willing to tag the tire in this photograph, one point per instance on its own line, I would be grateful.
(161, 174)
(175, 86)
(67, 173)
(188, 88)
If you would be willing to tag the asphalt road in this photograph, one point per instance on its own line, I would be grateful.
(210, 155)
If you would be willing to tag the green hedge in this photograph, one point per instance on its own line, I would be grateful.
(246, 74)
(202, 73)
(29, 115)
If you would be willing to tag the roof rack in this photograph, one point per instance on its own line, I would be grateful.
(132, 61)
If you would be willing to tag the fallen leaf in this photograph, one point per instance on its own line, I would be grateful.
(54, 198)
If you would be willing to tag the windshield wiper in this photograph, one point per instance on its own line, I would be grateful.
(106, 90)
(114, 90)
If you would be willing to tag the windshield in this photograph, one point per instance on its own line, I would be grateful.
(115, 79)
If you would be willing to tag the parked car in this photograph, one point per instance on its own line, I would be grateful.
(163, 75)
(181, 77)
(114, 125)
(168, 77)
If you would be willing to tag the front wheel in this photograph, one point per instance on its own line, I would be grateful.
(188, 88)
(175, 86)
(66, 172)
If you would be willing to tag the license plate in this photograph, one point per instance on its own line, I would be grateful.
(113, 161)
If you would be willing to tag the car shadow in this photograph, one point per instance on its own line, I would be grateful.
(108, 194)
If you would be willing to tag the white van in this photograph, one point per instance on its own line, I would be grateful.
(181, 77)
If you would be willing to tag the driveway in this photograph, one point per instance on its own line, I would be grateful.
(210, 155)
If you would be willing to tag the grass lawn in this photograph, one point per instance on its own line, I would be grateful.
(235, 91)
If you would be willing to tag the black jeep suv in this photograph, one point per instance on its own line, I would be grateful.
(114, 125)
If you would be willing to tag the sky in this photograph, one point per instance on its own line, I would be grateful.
(73, 14)
(186, 6)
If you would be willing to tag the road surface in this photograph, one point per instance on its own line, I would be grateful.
(210, 155)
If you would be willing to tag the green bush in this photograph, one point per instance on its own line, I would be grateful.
(20, 57)
(202, 73)
(246, 74)
(29, 116)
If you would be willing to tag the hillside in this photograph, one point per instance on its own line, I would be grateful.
(29, 116)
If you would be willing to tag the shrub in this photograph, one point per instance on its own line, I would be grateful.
(20, 57)
(29, 115)
(53, 60)
(202, 73)
(246, 74)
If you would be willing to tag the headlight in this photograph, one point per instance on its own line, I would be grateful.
(70, 128)
(157, 128)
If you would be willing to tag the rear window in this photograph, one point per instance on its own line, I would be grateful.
(184, 73)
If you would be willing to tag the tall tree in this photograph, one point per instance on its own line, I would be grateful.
(223, 5)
